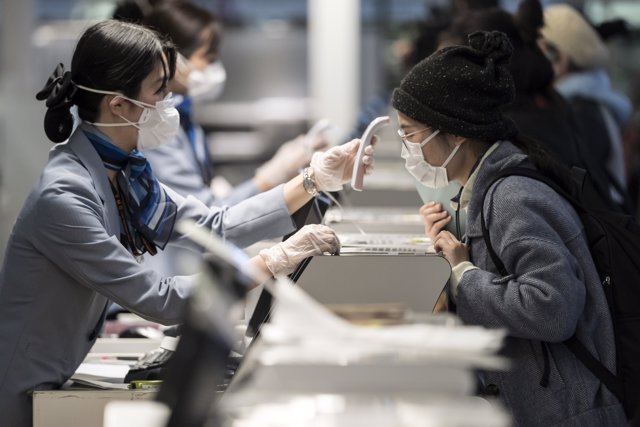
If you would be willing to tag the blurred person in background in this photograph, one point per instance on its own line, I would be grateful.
(185, 163)
(97, 211)
(579, 57)
(538, 110)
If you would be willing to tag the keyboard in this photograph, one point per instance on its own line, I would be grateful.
(384, 244)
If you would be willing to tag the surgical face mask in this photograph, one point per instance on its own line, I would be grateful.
(429, 175)
(207, 85)
(158, 124)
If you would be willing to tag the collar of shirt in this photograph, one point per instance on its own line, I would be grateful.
(465, 195)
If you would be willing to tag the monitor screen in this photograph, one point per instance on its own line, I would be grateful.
(311, 213)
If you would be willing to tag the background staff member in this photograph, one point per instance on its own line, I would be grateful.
(97, 208)
(184, 163)
(450, 108)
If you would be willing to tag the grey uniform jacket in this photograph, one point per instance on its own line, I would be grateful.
(64, 262)
(553, 291)
(175, 165)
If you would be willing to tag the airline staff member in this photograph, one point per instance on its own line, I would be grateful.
(97, 209)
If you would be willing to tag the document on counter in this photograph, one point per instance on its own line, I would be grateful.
(300, 321)
(101, 375)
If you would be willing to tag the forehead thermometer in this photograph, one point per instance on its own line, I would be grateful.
(357, 175)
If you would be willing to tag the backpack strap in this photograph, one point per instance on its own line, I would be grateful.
(520, 171)
(595, 366)
(610, 380)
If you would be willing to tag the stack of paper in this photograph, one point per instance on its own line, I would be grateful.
(312, 368)
(101, 375)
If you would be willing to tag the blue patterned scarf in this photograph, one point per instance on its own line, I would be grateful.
(146, 210)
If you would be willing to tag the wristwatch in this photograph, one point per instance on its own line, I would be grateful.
(307, 181)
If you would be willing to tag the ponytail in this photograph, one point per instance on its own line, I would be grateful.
(545, 162)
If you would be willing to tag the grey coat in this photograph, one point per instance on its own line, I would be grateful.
(553, 291)
(64, 262)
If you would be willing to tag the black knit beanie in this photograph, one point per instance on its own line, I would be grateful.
(462, 90)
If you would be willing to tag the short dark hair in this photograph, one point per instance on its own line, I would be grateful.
(183, 23)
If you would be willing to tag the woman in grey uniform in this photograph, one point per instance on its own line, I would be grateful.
(97, 210)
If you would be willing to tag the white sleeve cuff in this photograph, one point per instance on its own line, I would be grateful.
(456, 276)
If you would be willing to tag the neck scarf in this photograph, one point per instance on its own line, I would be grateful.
(146, 210)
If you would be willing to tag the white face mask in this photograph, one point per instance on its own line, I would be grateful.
(207, 85)
(158, 124)
(431, 176)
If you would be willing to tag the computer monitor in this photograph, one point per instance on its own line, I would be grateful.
(311, 213)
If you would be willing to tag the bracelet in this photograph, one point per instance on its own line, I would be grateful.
(307, 181)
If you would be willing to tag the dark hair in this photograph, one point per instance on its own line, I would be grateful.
(111, 56)
(183, 23)
(531, 70)
(135, 10)
(545, 161)
(425, 41)
(462, 6)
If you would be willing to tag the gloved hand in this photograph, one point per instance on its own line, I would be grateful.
(333, 168)
(313, 239)
(289, 159)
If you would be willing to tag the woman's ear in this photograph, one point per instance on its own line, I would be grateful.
(115, 105)
(457, 140)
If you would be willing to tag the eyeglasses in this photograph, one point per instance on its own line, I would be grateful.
(404, 136)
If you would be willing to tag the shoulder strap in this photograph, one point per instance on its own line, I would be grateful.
(529, 173)
(595, 366)
(573, 344)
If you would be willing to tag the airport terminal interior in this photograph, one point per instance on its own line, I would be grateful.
(318, 249)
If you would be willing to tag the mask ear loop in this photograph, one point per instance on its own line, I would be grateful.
(429, 138)
(109, 92)
(453, 153)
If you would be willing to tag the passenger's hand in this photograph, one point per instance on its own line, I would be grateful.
(453, 250)
(435, 219)
(310, 240)
(333, 168)
(289, 159)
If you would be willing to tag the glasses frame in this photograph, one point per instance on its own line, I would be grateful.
(403, 136)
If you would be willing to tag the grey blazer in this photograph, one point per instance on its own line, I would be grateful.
(553, 291)
(64, 262)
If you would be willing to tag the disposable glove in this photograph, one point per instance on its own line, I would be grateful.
(333, 168)
(289, 159)
(310, 240)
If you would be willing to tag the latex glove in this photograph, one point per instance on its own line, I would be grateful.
(289, 159)
(313, 239)
(333, 168)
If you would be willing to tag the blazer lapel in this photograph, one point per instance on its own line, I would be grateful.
(81, 146)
